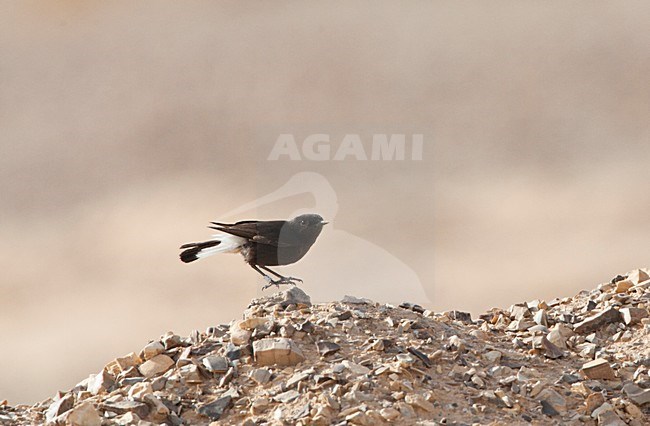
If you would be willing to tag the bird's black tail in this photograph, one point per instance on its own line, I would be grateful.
(193, 249)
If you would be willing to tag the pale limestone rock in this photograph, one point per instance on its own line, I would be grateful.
(278, 351)
(59, 406)
(598, 369)
(389, 414)
(215, 364)
(238, 335)
(156, 365)
(190, 373)
(158, 410)
(127, 419)
(152, 349)
(260, 375)
(355, 368)
(100, 383)
(420, 402)
(633, 315)
(139, 390)
(610, 418)
(540, 317)
(259, 406)
(456, 343)
(493, 357)
(623, 286)
(84, 414)
(638, 276)
(255, 322)
(126, 406)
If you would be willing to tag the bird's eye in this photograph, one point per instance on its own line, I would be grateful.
(303, 222)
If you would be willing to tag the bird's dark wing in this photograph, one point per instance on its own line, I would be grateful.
(261, 232)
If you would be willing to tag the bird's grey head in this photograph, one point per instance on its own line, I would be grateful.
(308, 224)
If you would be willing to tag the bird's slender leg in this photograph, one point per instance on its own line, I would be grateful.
(283, 279)
(270, 281)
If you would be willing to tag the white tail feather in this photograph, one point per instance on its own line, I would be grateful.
(229, 244)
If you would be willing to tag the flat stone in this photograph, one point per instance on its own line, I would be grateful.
(152, 349)
(558, 335)
(602, 409)
(100, 383)
(171, 340)
(520, 325)
(598, 369)
(255, 323)
(278, 351)
(297, 378)
(128, 361)
(594, 322)
(456, 343)
(295, 296)
(541, 318)
(260, 375)
(127, 419)
(638, 275)
(633, 315)
(552, 397)
(587, 350)
(357, 418)
(259, 405)
(493, 357)
(156, 365)
(636, 394)
(623, 286)
(139, 390)
(190, 373)
(644, 284)
(610, 418)
(159, 411)
(215, 364)
(59, 406)
(238, 335)
(327, 348)
(355, 300)
(537, 388)
(125, 406)
(520, 311)
(550, 350)
(287, 396)
(355, 368)
(389, 414)
(84, 414)
(420, 402)
(233, 352)
(215, 409)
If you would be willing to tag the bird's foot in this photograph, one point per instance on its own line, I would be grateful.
(284, 280)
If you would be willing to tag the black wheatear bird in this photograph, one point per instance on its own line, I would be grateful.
(262, 243)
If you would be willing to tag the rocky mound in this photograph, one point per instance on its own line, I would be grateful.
(576, 360)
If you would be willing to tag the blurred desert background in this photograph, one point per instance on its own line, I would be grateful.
(126, 127)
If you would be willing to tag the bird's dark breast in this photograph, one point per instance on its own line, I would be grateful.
(268, 255)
